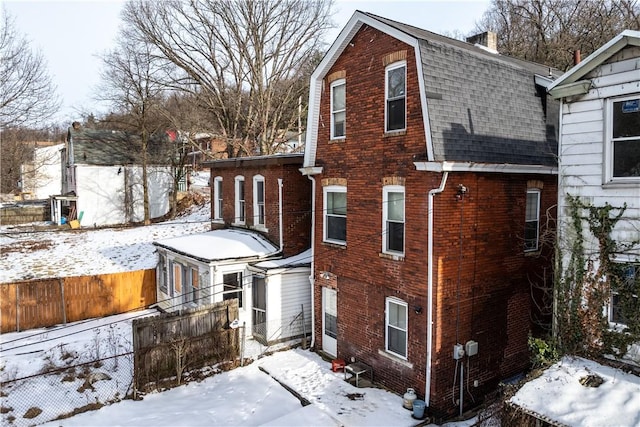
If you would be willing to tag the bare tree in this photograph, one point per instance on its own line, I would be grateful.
(132, 82)
(27, 95)
(549, 31)
(240, 57)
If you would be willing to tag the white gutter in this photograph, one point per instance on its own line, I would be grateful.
(485, 167)
(280, 213)
(312, 279)
(432, 193)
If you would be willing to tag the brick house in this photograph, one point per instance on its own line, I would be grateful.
(257, 250)
(434, 179)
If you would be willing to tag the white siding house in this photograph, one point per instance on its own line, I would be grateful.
(273, 293)
(102, 173)
(43, 176)
(599, 149)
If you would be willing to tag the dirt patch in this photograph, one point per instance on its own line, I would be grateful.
(28, 246)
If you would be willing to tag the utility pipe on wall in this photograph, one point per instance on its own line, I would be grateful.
(312, 279)
(432, 194)
(280, 213)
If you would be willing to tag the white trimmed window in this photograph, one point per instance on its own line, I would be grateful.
(395, 96)
(338, 109)
(624, 295)
(623, 134)
(393, 219)
(233, 287)
(240, 208)
(532, 221)
(162, 274)
(258, 201)
(217, 197)
(335, 214)
(396, 327)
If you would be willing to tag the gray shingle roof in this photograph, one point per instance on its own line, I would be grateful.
(484, 107)
(108, 148)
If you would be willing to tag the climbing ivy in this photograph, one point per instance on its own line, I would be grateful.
(584, 285)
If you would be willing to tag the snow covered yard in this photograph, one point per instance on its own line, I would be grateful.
(30, 253)
(248, 395)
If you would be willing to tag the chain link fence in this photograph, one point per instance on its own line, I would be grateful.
(67, 386)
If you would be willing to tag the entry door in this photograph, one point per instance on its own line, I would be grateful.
(330, 321)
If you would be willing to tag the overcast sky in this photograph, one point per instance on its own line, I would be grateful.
(71, 33)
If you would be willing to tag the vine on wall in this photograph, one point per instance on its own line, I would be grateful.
(585, 282)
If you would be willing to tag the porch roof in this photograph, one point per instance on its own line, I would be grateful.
(219, 245)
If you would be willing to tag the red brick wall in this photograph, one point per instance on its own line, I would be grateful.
(296, 199)
(481, 278)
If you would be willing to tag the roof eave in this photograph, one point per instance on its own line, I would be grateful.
(625, 38)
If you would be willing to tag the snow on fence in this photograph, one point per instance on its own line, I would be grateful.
(171, 344)
(47, 302)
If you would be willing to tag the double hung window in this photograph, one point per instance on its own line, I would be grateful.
(396, 327)
(233, 287)
(624, 147)
(240, 208)
(532, 220)
(217, 197)
(338, 109)
(625, 289)
(393, 219)
(258, 201)
(335, 220)
(395, 96)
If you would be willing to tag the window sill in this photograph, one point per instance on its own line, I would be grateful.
(218, 220)
(621, 184)
(395, 359)
(335, 245)
(390, 133)
(239, 224)
(532, 253)
(393, 257)
(337, 140)
(261, 228)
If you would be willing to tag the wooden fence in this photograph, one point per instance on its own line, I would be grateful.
(48, 302)
(170, 344)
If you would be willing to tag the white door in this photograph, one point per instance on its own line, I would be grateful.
(330, 321)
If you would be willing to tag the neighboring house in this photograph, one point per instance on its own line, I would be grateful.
(434, 179)
(257, 251)
(599, 152)
(102, 178)
(43, 176)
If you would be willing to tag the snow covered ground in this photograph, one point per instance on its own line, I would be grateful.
(246, 396)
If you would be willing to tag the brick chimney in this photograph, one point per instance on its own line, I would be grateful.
(488, 39)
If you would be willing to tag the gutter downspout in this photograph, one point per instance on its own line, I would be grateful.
(312, 279)
(280, 213)
(432, 193)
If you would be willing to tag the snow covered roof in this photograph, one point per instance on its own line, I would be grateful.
(303, 259)
(558, 395)
(218, 245)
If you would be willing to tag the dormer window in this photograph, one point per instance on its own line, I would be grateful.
(338, 109)
(395, 96)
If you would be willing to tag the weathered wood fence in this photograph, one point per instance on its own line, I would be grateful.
(170, 344)
(47, 302)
